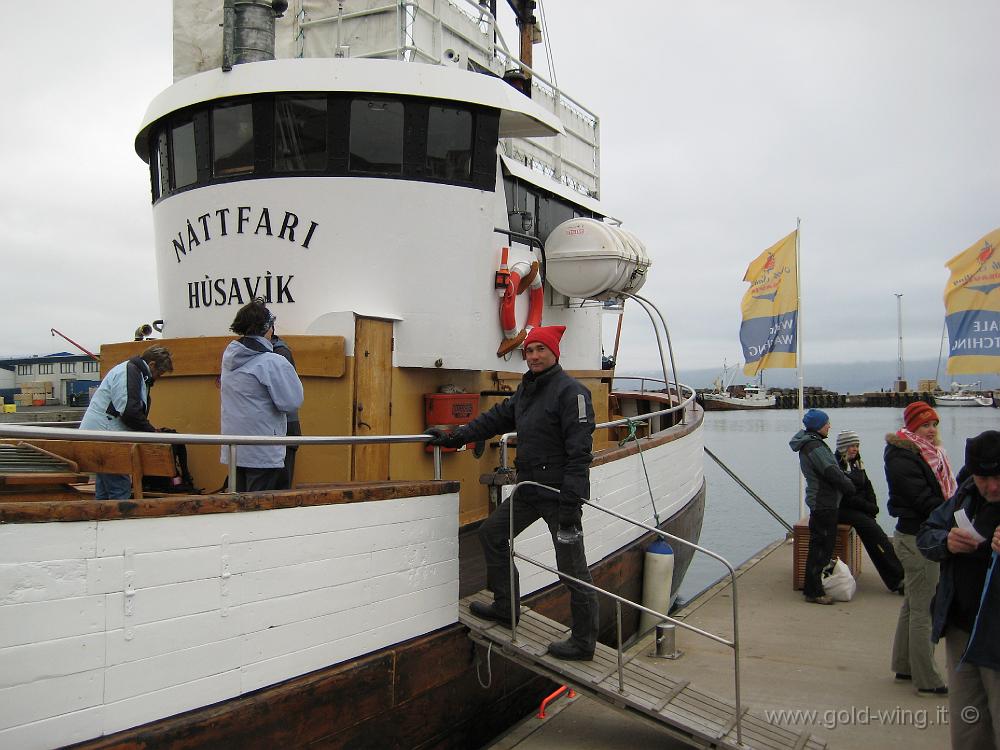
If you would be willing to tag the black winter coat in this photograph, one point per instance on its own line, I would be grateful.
(864, 498)
(554, 418)
(914, 491)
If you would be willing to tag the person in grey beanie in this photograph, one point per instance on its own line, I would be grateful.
(826, 483)
(860, 509)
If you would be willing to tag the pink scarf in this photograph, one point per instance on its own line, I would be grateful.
(936, 458)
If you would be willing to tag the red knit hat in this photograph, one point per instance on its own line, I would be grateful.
(548, 335)
(917, 414)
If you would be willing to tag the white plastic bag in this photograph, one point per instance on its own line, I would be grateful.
(838, 582)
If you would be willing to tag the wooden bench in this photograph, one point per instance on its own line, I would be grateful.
(847, 548)
(92, 456)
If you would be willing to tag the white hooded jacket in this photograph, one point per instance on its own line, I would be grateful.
(259, 388)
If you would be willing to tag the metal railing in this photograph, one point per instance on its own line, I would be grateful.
(619, 600)
(231, 441)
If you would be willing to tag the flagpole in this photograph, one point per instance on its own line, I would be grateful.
(798, 350)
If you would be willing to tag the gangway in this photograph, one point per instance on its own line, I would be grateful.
(672, 704)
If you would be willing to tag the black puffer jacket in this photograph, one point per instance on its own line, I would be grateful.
(914, 491)
(554, 418)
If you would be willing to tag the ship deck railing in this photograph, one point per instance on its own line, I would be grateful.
(42, 431)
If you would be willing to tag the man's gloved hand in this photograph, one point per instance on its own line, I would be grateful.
(445, 439)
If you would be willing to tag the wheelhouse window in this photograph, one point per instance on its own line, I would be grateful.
(67, 367)
(376, 140)
(90, 366)
(24, 369)
(44, 369)
(316, 134)
(449, 143)
(232, 139)
(185, 165)
(300, 133)
(160, 166)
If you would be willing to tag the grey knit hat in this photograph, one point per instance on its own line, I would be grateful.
(847, 438)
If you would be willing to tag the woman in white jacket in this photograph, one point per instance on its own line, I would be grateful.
(259, 389)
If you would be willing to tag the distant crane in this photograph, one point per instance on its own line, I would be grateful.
(90, 354)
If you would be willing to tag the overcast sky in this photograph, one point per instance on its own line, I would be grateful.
(874, 121)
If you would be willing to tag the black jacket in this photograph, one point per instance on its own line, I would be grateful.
(864, 498)
(554, 418)
(914, 491)
(961, 598)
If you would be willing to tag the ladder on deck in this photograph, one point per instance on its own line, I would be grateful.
(690, 715)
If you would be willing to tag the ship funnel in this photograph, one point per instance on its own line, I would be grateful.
(248, 30)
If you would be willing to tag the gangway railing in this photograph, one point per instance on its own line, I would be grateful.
(619, 601)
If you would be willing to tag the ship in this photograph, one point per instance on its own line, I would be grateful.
(409, 198)
(725, 396)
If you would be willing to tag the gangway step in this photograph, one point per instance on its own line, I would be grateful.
(693, 716)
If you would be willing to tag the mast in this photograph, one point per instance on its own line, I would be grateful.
(899, 331)
(524, 10)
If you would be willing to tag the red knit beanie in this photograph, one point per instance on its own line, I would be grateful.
(548, 335)
(917, 414)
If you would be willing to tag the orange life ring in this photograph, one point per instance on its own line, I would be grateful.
(522, 276)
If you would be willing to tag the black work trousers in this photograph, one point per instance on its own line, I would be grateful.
(822, 538)
(260, 480)
(877, 545)
(530, 504)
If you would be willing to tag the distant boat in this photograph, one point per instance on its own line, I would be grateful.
(962, 395)
(727, 397)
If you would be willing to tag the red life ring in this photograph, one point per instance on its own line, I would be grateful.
(522, 276)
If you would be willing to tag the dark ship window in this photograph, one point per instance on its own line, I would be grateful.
(232, 140)
(185, 166)
(300, 133)
(449, 143)
(376, 136)
(319, 134)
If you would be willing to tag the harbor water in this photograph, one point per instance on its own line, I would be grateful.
(754, 445)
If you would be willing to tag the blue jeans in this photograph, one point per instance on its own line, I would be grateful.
(113, 487)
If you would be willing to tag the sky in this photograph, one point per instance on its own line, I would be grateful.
(722, 123)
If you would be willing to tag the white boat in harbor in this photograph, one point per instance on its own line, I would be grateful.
(963, 395)
(728, 397)
(372, 183)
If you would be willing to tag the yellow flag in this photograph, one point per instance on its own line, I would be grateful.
(972, 308)
(770, 309)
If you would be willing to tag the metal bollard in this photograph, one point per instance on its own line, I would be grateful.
(665, 644)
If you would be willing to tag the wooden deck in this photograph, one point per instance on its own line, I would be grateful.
(687, 713)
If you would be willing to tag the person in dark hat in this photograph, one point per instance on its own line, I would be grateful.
(967, 604)
(554, 419)
(860, 510)
(920, 479)
(826, 483)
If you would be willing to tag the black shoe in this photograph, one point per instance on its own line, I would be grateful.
(489, 612)
(901, 676)
(570, 651)
(932, 692)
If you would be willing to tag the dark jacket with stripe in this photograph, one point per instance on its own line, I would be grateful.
(968, 592)
(553, 415)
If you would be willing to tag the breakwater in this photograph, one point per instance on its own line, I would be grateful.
(820, 398)
(788, 398)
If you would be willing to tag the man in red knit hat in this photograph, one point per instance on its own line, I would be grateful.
(554, 419)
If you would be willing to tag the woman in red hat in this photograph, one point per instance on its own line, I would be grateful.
(920, 479)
